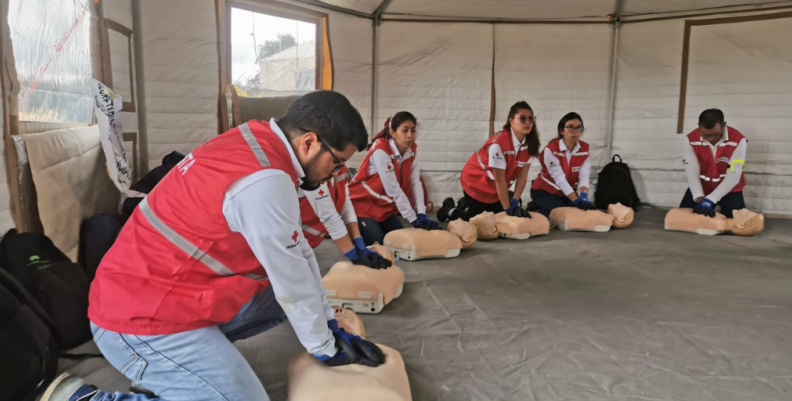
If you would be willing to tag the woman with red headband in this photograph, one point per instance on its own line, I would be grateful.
(388, 182)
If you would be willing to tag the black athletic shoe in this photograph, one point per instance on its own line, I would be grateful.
(442, 214)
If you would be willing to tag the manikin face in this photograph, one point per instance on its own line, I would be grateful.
(320, 161)
(404, 135)
(572, 131)
(712, 135)
(523, 121)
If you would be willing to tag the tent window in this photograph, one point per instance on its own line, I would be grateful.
(275, 55)
(52, 53)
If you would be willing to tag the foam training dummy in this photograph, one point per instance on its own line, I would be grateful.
(466, 232)
(521, 227)
(745, 222)
(417, 244)
(361, 288)
(349, 321)
(486, 226)
(310, 380)
(574, 219)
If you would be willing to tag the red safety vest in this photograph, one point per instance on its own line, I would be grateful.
(713, 168)
(571, 167)
(366, 190)
(176, 265)
(478, 180)
(313, 229)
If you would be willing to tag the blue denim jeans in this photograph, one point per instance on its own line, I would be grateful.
(200, 364)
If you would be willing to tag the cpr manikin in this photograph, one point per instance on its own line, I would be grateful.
(417, 244)
(521, 227)
(485, 224)
(745, 222)
(361, 288)
(466, 232)
(575, 219)
(310, 380)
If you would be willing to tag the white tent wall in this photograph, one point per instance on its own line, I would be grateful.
(179, 39)
(442, 73)
(556, 69)
(741, 68)
(6, 217)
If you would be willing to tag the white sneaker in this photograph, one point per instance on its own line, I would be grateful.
(68, 388)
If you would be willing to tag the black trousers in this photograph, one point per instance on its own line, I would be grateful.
(728, 204)
(468, 207)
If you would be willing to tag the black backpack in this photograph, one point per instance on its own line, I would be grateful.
(28, 349)
(97, 236)
(615, 184)
(53, 281)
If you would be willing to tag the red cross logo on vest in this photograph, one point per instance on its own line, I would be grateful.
(497, 154)
(321, 192)
(295, 236)
(390, 167)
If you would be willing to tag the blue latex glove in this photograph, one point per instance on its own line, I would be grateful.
(360, 255)
(582, 202)
(423, 221)
(706, 207)
(515, 210)
(351, 349)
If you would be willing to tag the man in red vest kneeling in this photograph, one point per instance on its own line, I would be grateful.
(215, 254)
(714, 157)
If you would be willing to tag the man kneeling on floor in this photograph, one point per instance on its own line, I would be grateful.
(216, 254)
(714, 156)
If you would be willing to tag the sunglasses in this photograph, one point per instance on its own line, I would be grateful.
(524, 119)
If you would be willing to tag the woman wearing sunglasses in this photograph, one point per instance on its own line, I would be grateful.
(503, 160)
(388, 182)
(565, 169)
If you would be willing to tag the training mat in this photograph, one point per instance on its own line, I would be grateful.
(638, 314)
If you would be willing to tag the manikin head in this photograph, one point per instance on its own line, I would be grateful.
(324, 130)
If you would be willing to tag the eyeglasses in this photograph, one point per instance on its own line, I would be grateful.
(338, 162)
(572, 128)
(325, 146)
(524, 119)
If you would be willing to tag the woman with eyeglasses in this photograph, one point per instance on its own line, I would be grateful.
(503, 160)
(565, 169)
(388, 182)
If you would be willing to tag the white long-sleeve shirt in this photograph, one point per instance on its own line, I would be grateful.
(496, 158)
(378, 164)
(324, 207)
(557, 172)
(693, 169)
(271, 226)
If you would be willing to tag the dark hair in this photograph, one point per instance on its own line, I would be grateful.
(565, 119)
(708, 118)
(328, 114)
(393, 123)
(533, 137)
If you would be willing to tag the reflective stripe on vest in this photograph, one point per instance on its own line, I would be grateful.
(489, 172)
(312, 231)
(374, 193)
(549, 182)
(186, 246)
(713, 179)
(254, 145)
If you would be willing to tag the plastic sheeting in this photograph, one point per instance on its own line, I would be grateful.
(745, 70)
(52, 53)
(181, 67)
(442, 73)
(556, 69)
(527, 320)
(739, 68)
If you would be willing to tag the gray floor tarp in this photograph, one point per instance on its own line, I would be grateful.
(634, 314)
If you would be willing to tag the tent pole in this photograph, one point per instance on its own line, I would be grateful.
(612, 97)
(374, 61)
(140, 83)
